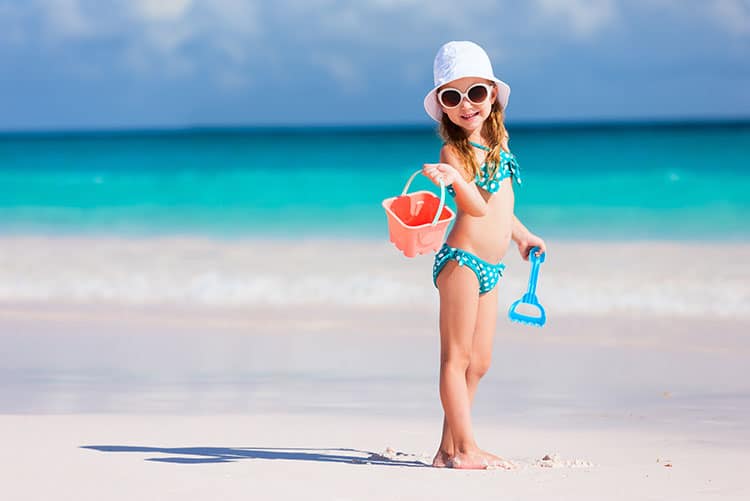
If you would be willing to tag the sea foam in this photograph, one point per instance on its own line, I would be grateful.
(579, 279)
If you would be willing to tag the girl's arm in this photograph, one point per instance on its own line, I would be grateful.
(525, 239)
(468, 198)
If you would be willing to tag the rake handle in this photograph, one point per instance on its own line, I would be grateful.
(536, 261)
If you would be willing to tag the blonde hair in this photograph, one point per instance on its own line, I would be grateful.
(494, 132)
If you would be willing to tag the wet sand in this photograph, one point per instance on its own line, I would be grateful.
(106, 399)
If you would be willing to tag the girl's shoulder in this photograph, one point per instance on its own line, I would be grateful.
(448, 149)
(450, 155)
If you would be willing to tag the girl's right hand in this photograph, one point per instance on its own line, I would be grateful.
(441, 171)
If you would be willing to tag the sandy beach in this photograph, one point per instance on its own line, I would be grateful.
(636, 389)
(268, 456)
(200, 298)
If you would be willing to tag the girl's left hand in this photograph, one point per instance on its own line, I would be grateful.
(441, 172)
(529, 242)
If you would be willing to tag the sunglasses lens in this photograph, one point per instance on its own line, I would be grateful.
(477, 94)
(450, 98)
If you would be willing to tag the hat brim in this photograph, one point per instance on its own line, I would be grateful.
(433, 108)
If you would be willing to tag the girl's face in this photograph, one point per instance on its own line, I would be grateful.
(468, 114)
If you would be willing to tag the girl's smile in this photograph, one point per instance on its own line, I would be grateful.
(469, 114)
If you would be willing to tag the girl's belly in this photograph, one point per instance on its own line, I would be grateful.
(487, 237)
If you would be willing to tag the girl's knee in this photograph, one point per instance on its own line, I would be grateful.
(455, 359)
(478, 367)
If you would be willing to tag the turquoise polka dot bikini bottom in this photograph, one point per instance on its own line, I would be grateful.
(488, 274)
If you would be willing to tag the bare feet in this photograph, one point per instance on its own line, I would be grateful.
(470, 461)
(442, 459)
(498, 462)
(475, 460)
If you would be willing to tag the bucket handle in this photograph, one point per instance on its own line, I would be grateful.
(442, 196)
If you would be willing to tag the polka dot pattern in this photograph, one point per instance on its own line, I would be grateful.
(488, 275)
(507, 167)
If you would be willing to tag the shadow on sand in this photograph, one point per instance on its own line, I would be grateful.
(201, 455)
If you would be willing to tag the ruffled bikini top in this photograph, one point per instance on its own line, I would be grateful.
(507, 167)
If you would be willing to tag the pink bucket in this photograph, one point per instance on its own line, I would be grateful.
(417, 221)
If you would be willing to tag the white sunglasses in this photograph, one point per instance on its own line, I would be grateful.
(450, 98)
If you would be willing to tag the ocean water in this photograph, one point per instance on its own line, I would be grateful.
(608, 182)
(212, 218)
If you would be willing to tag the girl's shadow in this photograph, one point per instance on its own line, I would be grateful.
(198, 455)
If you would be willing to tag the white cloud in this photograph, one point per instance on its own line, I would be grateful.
(733, 15)
(231, 28)
(235, 16)
(345, 36)
(229, 37)
(584, 17)
(167, 39)
(152, 36)
(344, 70)
(65, 19)
(161, 10)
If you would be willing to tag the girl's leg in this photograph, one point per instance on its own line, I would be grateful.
(459, 299)
(484, 334)
(481, 353)
(481, 356)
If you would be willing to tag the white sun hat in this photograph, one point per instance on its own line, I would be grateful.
(456, 60)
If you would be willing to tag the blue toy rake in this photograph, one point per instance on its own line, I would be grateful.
(530, 297)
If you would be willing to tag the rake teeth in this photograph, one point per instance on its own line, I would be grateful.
(526, 322)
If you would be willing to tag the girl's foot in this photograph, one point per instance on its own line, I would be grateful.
(478, 460)
(498, 462)
(470, 461)
(442, 459)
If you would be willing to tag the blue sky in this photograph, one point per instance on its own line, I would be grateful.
(150, 63)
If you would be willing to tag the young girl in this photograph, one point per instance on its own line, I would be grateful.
(475, 163)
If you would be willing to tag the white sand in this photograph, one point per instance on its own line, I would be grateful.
(325, 457)
(337, 400)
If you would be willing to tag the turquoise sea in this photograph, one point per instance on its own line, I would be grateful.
(683, 181)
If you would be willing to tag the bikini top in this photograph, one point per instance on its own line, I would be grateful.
(508, 167)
